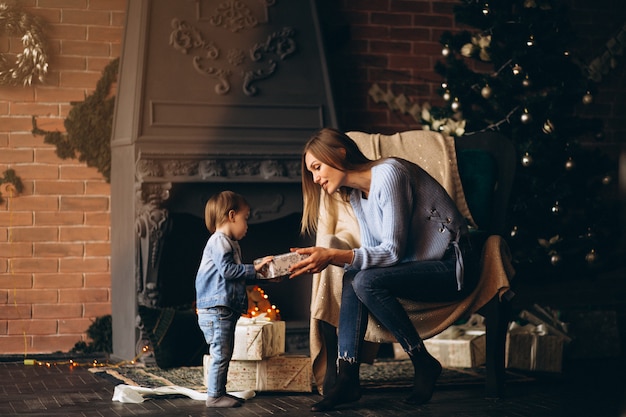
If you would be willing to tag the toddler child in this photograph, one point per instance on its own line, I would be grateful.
(221, 282)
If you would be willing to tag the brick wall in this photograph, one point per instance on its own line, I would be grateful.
(54, 236)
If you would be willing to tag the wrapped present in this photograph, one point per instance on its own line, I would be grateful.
(459, 346)
(532, 348)
(279, 373)
(258, 338)
(279, 266)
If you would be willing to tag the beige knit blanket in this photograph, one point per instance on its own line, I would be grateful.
(436, 154)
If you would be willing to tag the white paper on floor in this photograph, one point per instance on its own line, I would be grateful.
(132, 394)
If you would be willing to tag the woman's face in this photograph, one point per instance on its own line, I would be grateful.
(329, 178)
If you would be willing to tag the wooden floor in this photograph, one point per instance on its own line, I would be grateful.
(590, 388)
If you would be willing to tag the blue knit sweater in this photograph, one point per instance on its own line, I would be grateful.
(407, 216)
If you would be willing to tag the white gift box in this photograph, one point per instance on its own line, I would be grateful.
(279, 266)
(459, 347)
(258, 338)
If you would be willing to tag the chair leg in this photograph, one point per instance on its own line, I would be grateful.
(329, 334)
(497, 315)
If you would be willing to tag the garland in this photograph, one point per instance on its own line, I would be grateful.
(10, 184)
(88, 126)
(32, 62)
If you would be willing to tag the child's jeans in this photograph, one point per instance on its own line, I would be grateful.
(218, 326)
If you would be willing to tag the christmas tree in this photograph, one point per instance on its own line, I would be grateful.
(515, 73)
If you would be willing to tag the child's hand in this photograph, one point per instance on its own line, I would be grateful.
(260, 267)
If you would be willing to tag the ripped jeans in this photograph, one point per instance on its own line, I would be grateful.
(376, 290)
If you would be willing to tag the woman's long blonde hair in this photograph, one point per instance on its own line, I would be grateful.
(336, 149)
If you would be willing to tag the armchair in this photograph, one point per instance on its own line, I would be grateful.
(478, 167)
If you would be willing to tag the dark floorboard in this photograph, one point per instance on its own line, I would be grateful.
(590, 388)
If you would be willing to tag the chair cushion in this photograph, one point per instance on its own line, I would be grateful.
(478, 172)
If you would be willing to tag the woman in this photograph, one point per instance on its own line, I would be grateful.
(411, 237)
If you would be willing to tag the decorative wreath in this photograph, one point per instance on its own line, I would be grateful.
(33, 61)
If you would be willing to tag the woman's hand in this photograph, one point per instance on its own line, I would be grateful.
(319, 258)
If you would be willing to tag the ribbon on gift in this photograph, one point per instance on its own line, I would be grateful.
(534, 331)
(253, 343)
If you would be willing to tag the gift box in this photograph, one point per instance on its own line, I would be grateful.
(532, 348)
(280, 264)
(458, 346)
(279, 373)
(258, 338)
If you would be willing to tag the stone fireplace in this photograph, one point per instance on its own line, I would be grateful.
(212, 95)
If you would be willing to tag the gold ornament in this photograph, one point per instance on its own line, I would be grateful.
(455, 104)
(445, 51)
(587, 98)
(591, 256)
(548, 127)
(526, 82)
(556, 209)
(514, 231)
(569, 164)
(607, 180)
(32, 62)
(555, 259)
(526, 117)
(447, 96)
(517, 69)
(527, 160)
(486, 91)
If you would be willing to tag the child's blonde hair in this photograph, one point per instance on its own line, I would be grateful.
(219, 205)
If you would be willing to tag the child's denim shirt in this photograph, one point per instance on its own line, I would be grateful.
(222, 278)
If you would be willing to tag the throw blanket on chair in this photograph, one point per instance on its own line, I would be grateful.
(338, 228)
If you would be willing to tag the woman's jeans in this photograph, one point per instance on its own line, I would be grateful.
(376, 290)
(218, 326)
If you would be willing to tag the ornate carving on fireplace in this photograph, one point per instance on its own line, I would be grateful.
(218, 169)
(151, 227)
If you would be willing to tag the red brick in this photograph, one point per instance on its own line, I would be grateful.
(63, 4)
(33, 265)
(84, 265)
(33, 296)
(58, 280)
(98, 280)
(4, 324)
(105, 34)
(54, 343)
(85, 48)
(13, 281)
(15, 218)
(391, 19)
(115, 5)
(37, 171)
(57, 311)
(32, 327)
(55, 218)
(98, 309)
(73, 63)
(59, 188)
(14, 123)
(56, 95)
(14, 249)
(16, 94)
(58, 250)
(62, 32)
(35, 234)
(98, 188)
(79, 79)
(74, 325)
(84, 234)
(49, 124)
(97, 249)
(4, 138)
(30, 109)
(118, 19)
(48, 156)
(80, 172)
(27, 140)
(390, 47)
(98, 219)
(15, 344)
(98, 295)
(15, 311)
(84, 203)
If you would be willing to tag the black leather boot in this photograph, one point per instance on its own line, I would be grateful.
(346, 390)
(427, 370)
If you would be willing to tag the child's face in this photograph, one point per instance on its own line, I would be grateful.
(238, 223)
